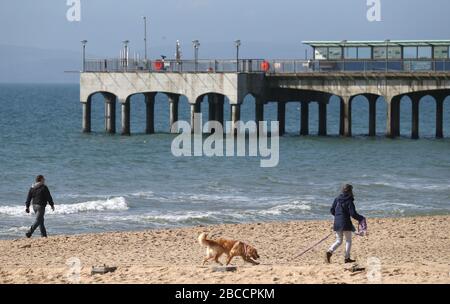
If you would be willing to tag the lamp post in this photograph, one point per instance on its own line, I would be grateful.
(145, 38)
(83, 44)
(237, 43)
(178, 51)
(178, 55)
(125, 46)
(196, 45)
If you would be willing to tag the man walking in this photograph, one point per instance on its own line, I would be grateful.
(40, 196)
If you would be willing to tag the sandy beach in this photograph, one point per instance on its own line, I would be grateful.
(409, 250)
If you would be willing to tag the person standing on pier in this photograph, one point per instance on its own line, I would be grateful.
(40, 196)
(343, 210)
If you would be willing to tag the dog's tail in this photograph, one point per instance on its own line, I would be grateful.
(202, 240)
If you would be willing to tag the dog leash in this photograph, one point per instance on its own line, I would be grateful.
(313, 246)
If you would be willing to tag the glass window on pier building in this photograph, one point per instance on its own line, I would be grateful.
(388, 55)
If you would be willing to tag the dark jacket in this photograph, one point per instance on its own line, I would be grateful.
(343, 208)
(40, 195)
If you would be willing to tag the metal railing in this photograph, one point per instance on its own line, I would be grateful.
(267, 66)
(174, 66)
(355, 66)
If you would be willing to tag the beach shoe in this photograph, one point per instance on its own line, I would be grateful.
(349, 260)
(28, 234)
(328, 257)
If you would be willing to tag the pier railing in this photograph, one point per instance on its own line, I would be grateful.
(174, 66)
(355, 66)
(282, 66)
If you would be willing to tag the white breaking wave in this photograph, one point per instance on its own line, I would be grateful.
(192, 198)
(174, 196)
(111, 204)
(288, 208)
(408, 185)
(14, 230)
(213, 216)
(144, 194)
(183, 217)
(173, 218)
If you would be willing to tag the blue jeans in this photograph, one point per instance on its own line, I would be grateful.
(39, 222)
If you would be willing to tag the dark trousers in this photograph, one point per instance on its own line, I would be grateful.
(40, 212)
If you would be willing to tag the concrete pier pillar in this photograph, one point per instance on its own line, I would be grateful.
(86, 124)
(415, 117)
(110, 114)
(397, 116)
(323, 118)
(347, 116)
(220, 100)
(173, 110)
(259, 113)
(393, 116)
(440, 116)
(372, 115)
(282, 117)
(126, 117)
(235, 116)
(304, 119)
(195, 109)
(150, 113)
(341, 116)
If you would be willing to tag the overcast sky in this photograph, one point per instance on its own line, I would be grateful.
(266, 28)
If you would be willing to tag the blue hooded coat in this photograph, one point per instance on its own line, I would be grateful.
(343, 209)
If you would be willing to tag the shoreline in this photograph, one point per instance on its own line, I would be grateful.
(125, 231)
(412, 250)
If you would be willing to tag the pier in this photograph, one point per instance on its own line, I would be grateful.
(381, 71)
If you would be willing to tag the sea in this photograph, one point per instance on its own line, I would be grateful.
(103, 182)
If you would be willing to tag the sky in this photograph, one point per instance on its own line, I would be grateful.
(267, 29)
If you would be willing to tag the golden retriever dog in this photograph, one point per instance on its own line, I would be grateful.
(216, 248)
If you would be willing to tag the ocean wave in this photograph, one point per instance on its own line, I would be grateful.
(174, 218)
(215, 198)
(224, 215)
(222, 198)
(14, 230)
(408, 185)
(110, 204)
(293, 207)
(193, 198)
(181, 217)
(144, 194)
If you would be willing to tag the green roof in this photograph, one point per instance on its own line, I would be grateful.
(377, 43)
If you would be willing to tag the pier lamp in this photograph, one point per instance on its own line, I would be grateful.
(237, 43)
(196, 45)
(145, 38)
(83, 45)
(125, 46)
(387, 41)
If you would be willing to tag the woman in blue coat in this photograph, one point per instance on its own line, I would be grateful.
(343, 210)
